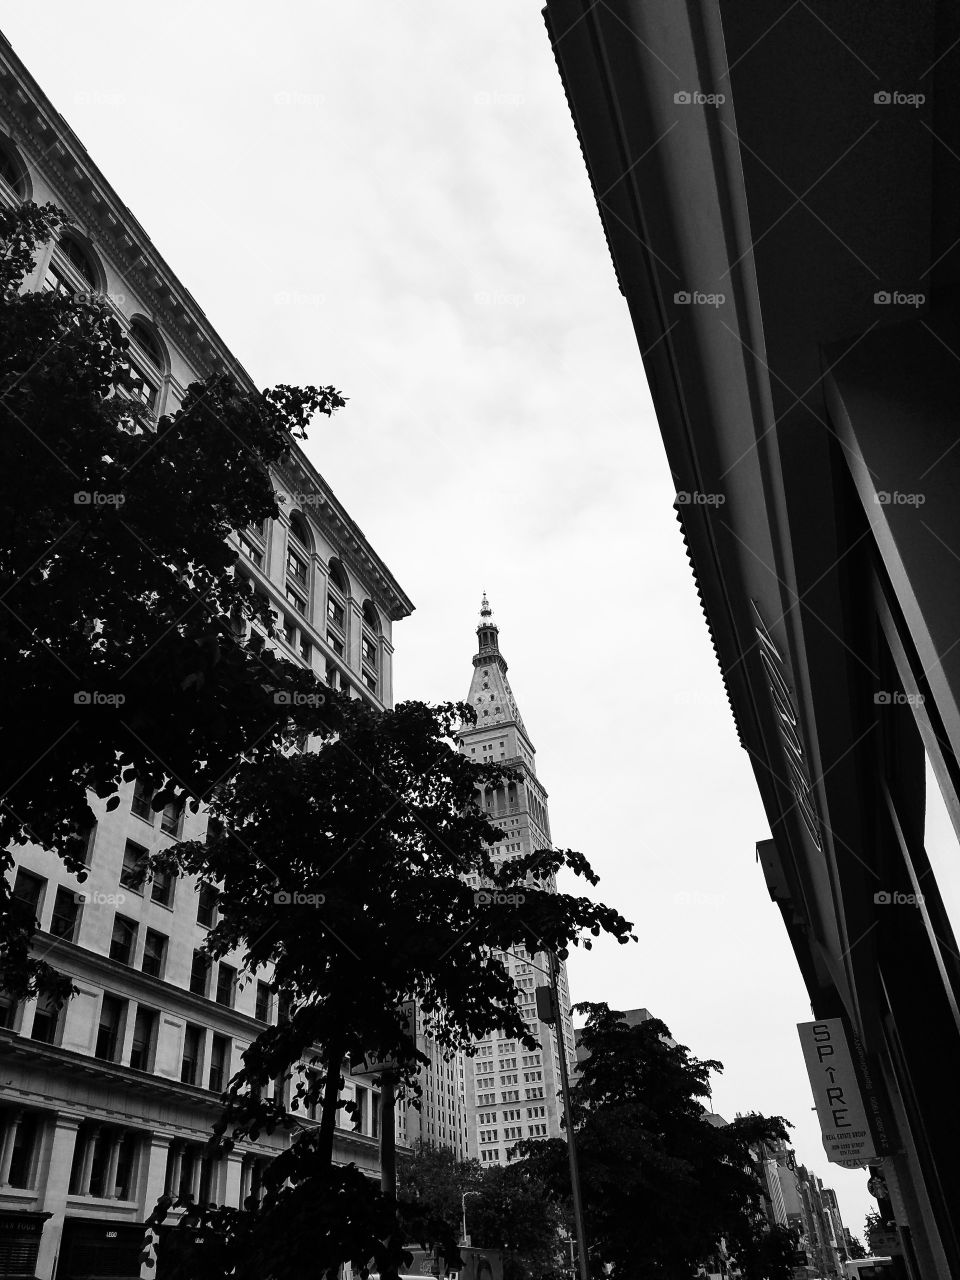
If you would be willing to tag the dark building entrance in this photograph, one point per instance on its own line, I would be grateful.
(98, 1250)
(19, 1244)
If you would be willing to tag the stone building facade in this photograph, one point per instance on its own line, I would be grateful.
(106, 1104)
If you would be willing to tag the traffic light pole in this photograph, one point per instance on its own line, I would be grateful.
(568, 1121)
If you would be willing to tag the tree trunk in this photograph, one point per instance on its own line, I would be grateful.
(331, 1093)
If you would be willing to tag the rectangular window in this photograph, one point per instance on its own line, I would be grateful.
(133, 870)
(219, 1063)
(66, 914)
(289, 632)
(46, 1021)
(161, 890)
(360, 1109)
(144, 1039)
(28, 889)
(192, 1054)
(207, 905)
(296, 568)
(370, 681)
(264, 1001)
(154, 953)
(335, 644)
(306, 649)
(369, 651)
(200, 974)
(171, 821)
(335, 612)
(110, 1028)
(140, 805)
(23, 1161)
(296, 600)
(254, 554)
(123, 939)
(226, 984)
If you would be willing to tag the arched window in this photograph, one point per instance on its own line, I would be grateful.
(369, 646)
(148, 361)
(13, 170)
(338, 592)
(371, 618)
(300, 530)
(72, 269)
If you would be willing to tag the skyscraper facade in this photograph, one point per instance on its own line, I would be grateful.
(510, 1092)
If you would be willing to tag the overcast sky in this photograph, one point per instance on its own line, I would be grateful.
(390, 197)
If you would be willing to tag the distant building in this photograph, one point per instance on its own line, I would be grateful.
(510, 1092)
(107, 1104)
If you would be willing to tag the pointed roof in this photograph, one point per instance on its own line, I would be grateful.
(490, 692)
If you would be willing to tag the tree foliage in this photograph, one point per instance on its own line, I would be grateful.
(362, 875)
(120, 603)
(662, 1184)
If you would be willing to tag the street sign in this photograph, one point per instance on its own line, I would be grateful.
(847, 1139)
(368, 1068)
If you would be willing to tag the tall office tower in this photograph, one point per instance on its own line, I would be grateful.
(510, 1092)
(106, 1104)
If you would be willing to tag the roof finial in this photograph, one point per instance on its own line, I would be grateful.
(485, 610)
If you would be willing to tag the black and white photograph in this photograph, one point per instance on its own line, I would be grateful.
(480, 640)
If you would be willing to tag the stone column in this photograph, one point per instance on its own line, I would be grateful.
(195, 1171)
(11, 1124)
(233, 1189)
(386, 671)
(110, 1170)
(53, 1183)
(176, 1166)
(156, 1148)
(86, 1169)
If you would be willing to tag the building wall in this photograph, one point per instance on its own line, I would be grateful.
(94, 1127)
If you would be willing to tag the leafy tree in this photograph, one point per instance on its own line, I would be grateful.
(855, 1248)
(514, 1213)
(120, 600)
(662, 1185)
(508, 1209)
(346, 871)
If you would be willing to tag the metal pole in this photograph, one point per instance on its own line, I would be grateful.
(568, 1120)
(388, 1135)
